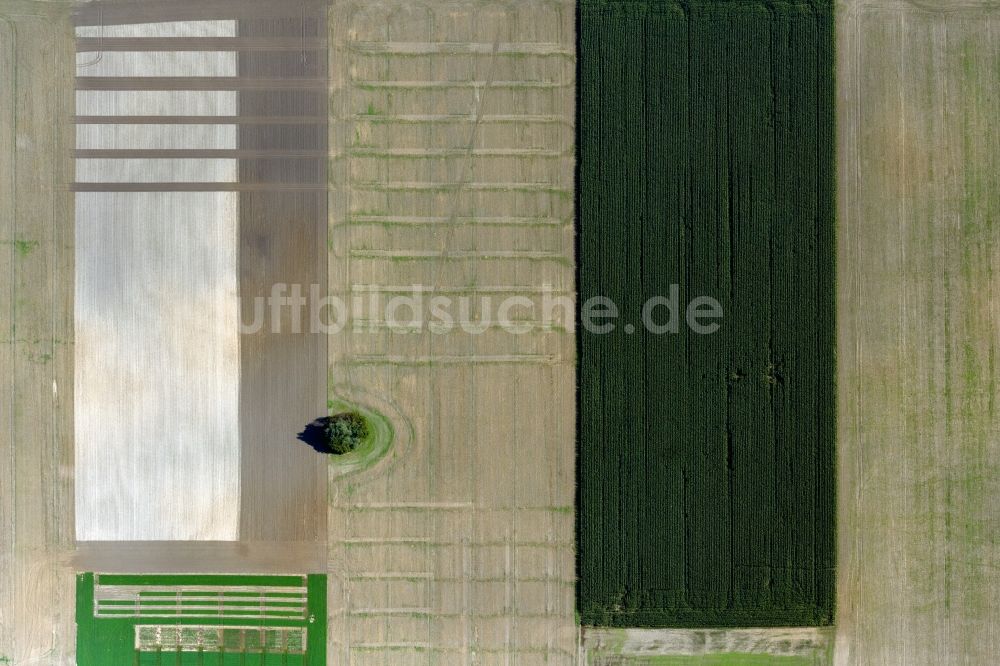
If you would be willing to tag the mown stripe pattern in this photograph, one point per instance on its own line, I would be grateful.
(706, 462)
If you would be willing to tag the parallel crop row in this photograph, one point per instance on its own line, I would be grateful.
(706, 462)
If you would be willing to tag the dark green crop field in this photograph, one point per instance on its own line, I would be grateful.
(706, 461)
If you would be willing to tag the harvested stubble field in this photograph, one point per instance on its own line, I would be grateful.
(706, 462)
(918, 315)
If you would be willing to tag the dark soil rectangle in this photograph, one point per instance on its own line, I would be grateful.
(706, 461)
(283, 240)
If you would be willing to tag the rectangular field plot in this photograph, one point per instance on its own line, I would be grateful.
(706, 448)
(203, 620)
(919, 243)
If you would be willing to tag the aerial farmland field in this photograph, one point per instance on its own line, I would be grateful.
(918, 252)
(795, 464)
(706, 461)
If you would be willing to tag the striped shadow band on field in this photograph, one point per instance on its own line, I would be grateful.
(149, 386)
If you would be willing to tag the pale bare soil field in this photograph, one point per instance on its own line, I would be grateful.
(919, 314)
(453, 142)
(36, 334)
(809, 645)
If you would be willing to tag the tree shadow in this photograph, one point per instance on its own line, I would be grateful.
(315, 435)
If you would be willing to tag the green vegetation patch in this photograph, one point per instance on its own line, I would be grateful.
(346, 432)
(23, 249)
(706, 461)
(369, 449)
(250, 634)
(199, 579)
